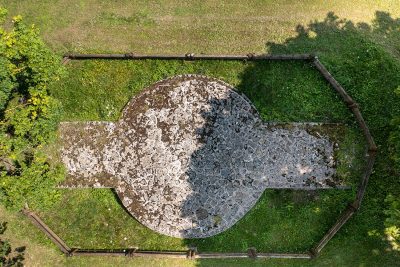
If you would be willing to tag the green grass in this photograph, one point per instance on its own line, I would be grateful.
(282, 91)
(91, 218)
(364, 59)
(178, 27)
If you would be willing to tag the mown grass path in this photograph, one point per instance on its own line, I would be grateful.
(175, 27)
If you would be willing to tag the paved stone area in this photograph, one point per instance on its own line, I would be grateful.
(190, 156)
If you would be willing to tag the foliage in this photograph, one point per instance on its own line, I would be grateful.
(392, 222)
(7, 257)
(395, 138)
(28, 115)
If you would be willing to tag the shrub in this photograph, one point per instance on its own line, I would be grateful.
(29, 115)
(392, 222)
(395, 138)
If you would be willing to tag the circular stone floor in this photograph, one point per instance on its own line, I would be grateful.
(190, 156)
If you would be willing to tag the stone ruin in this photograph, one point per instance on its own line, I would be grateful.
(190, 156)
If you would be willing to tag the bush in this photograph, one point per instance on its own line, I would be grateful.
(392, 222)
(29, 115)
(395, 138)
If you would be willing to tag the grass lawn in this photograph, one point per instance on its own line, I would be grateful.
(363, 57)
(279, 221)
(174, 26)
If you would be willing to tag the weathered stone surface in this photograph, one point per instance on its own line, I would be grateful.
(190, 156)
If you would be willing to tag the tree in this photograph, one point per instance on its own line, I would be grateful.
(29, 115)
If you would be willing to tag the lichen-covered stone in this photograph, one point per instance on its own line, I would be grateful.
(190, 156)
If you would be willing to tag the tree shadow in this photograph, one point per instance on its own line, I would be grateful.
(240, 156)
(213, 171)
(364, 59)
(9, 256)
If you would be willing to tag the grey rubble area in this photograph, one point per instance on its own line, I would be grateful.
(190, 156)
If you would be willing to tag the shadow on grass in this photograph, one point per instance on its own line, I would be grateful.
(285, 221)
(8, 255)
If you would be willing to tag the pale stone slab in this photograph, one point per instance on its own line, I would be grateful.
(190, 156)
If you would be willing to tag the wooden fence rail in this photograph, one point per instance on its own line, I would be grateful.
(135, 252)
(42, 226)
(251, 253)
(188, 56)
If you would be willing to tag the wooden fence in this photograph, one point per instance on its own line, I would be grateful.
(251, 252)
